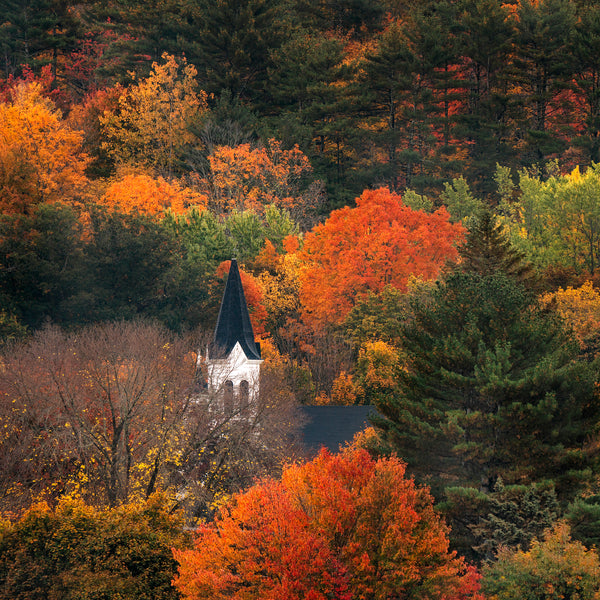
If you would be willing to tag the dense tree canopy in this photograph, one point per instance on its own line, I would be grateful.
(75, 551)
(555, 565)
(340, 151)
(341, 524)
(379, 242)
(491, 388)
(42, 157)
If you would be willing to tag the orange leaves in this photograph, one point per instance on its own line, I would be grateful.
(260, 548)
(150, 196)
(380, 242)
(341, 525)
(245, 178)
(40, 155)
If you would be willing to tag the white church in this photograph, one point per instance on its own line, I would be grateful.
(233, 358)
(233, 362)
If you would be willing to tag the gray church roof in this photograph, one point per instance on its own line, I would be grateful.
(233, 323)
(332, 426)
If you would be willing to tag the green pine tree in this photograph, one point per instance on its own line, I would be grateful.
(543, 66)
(236, 40)
(491, 389)
(485, 42)
(487, 251)
(586, 52)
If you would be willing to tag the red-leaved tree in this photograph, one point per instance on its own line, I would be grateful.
(344, 526)
(379, 242)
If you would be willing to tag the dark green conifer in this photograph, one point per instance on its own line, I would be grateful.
(236, 39)
(542, 69)
(487, 251)
(509, 516)
(485, 42)
(491, 388)
(586, 53)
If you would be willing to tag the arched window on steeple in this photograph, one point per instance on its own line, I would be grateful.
(228, 397)
(244, 396)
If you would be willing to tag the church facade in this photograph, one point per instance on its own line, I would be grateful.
(233, 358)
(233, 361)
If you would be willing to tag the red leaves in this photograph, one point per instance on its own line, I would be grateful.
(343, 526)
(380, 242)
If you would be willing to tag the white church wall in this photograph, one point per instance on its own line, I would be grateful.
(237, 368)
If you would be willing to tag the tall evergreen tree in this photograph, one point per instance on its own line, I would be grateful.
(543, 66)
(395, 95)
(487, 251)
(141, 32)
(491, 389)
(236, 40)
(36, 33)
(586, 52)
(357, 17)
(485, 42)
(409, 86)
(41, 264)
(315, 102)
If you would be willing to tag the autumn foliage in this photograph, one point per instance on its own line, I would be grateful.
(379, 242)
(41, 156)
(344, 526)
(579, 307)
(149, 195)
(244, 178)
(74, 550)
(151, 124)
(555, 567)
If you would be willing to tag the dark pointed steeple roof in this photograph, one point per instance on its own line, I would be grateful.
(233, 324)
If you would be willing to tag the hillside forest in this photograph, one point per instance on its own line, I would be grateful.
(412, 192)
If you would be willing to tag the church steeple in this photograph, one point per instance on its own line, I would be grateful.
(233, 323)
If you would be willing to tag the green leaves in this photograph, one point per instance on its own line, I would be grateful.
(511, 401)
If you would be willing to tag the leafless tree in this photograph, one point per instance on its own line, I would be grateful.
(117, 411)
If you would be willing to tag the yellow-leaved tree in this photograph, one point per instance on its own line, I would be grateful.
(580, 308)
(152, 124)
(41, 157)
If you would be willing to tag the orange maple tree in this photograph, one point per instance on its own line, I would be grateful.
(41, 156)
(379, 242)
(245, 178)
(344, 526)
(150, 195)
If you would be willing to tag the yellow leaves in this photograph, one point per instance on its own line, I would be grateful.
(575, 175)
(344, 390)
(152, 122)
(378, 364)
(579, 307)
(150, 195)
(556, 567)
